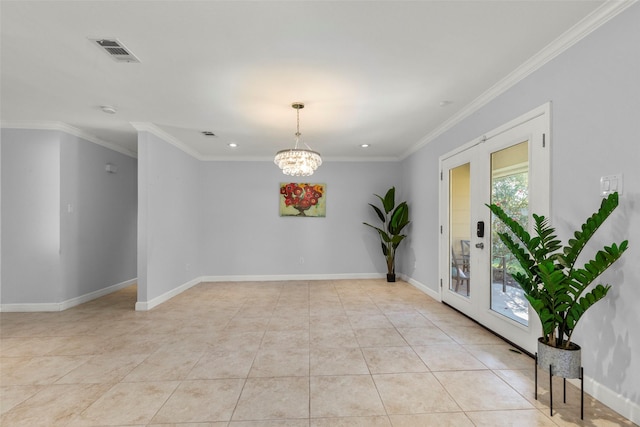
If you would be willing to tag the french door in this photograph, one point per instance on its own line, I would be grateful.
(508, 166)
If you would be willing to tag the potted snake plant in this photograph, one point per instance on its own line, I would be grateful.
(394, 219)
(558, 290)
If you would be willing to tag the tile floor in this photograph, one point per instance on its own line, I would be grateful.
(312, 354)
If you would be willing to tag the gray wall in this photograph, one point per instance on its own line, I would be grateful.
(221, 219)
(168, 217)
(243, 234)
(51, 255)
(595, 92)
(31, 269)
(98, 246)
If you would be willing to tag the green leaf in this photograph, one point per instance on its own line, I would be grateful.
(589, 228)
(389, 200)
(399, 218)
(379, 212)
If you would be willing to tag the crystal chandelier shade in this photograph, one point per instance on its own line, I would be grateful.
(298, 161)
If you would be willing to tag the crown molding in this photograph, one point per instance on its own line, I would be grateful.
(155, 130)
(63, 127)
(324, 159)
(573, 35)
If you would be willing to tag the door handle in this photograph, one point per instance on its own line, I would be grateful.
(480, 245)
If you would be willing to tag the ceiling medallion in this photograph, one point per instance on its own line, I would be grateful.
(298, 161)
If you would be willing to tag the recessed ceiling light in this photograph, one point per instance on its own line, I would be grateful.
(232, 145)
(365, 145)
(208, 133)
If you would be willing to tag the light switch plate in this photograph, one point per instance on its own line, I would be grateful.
(610, 184)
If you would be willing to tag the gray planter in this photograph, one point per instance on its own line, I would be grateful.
(564, 362)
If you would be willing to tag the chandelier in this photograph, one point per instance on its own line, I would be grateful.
(298, 161)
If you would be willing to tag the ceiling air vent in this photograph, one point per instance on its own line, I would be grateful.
(115, 49)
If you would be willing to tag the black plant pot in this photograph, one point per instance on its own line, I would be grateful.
(391, 277)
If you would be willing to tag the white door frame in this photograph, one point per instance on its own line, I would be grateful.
(475, 151)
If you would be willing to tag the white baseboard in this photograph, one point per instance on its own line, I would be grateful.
(619, 403)
(148, 305)
(290, 277)
(422, 287)
(60, 306)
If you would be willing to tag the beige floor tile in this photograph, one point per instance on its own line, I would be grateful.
(413, 393)
(448, 357)
(213, 424)
(597, 416)
(80, 345)
(337, 361)
(127, 403)
(333, 338)
(410, 319)
(281, 362)
(194, 343)
(115, 327)
(327, 309)
(273, 398)
(469, 334)
(248, 324)
(28, 346)
(329, 322)
(271, 423)
(286, 339)
(238, 340)
(523, 382)
(136, 344)
(70, 367)
(379, 337)
(343, 396)
(11, 396)
(425, 336)
(481, 391)
(449, 419)
(164, 366)
(53, 405)
(382, 360)
(287, 322)
(223, 364)
(364, 321)
(103, 369)
(501, 356)
(379, 421)
(517, 418)
(357, 309)
(200, 401)
(38, 370)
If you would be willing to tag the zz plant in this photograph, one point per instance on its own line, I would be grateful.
(552, 283)
(394, 220)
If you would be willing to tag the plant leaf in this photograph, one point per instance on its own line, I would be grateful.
(389, 200)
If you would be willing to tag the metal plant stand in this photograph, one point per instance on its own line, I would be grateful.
(564, 389)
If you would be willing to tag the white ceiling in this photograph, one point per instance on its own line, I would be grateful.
(372, 72)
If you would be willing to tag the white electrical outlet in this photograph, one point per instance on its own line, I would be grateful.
(610, 184)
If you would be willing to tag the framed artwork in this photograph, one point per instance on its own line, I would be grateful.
(303, 199)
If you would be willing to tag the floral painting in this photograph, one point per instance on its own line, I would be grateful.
(302, 199)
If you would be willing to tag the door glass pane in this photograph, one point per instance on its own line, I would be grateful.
(510, 190)
(459, 226)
